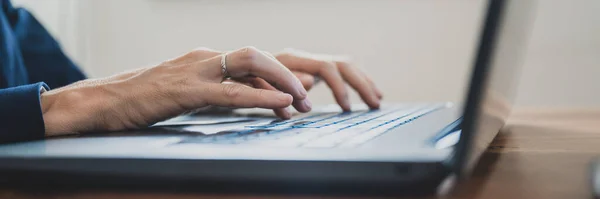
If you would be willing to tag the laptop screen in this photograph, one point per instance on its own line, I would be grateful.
(500, 54)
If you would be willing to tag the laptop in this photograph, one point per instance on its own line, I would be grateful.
(401, 148)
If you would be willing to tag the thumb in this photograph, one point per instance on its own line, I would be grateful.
(241, 96)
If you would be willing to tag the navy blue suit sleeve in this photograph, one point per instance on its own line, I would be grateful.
(42, 55)
(21, 114)
(28, 54)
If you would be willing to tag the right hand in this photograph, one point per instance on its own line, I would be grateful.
(146, 96)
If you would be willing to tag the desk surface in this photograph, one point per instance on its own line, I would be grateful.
(540, 154)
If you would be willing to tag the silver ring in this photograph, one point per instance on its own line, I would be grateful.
(224, 66)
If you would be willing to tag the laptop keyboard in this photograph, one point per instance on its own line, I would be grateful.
(321, 130)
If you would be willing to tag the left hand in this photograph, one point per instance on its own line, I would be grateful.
(336, 72)
(309, 68)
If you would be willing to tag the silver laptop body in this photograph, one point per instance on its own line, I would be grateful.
(400, 148)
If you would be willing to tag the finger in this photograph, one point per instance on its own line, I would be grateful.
(325, 69)
(307, 80)
(256, 82)
(334, 80)
(300, 105)
(377, 91)
(252, 62)
(241, 96)
(360, 84)
(231, 81)
(262, 84)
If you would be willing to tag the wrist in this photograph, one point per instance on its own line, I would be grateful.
(58, 110)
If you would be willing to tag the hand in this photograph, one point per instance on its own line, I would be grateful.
(145, 96)
(310, 68)
(336, 72)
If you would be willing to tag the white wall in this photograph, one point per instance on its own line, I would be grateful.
(563, 62)
(415, 50)
(62, 18)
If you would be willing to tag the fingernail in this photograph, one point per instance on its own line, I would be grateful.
(284, 97)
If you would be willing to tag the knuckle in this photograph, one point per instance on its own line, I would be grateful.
(249, 52)
(248, 57)
(201, 53)
(344, 65)
(261, 93)
(232, 91)
(328, 66)
(196, 53)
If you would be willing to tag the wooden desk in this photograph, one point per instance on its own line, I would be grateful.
(540, 154)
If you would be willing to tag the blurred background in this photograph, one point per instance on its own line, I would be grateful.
(415, 50)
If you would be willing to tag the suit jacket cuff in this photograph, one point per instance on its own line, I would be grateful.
(21, 116)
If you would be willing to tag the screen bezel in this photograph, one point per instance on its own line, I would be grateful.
(478, 80)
